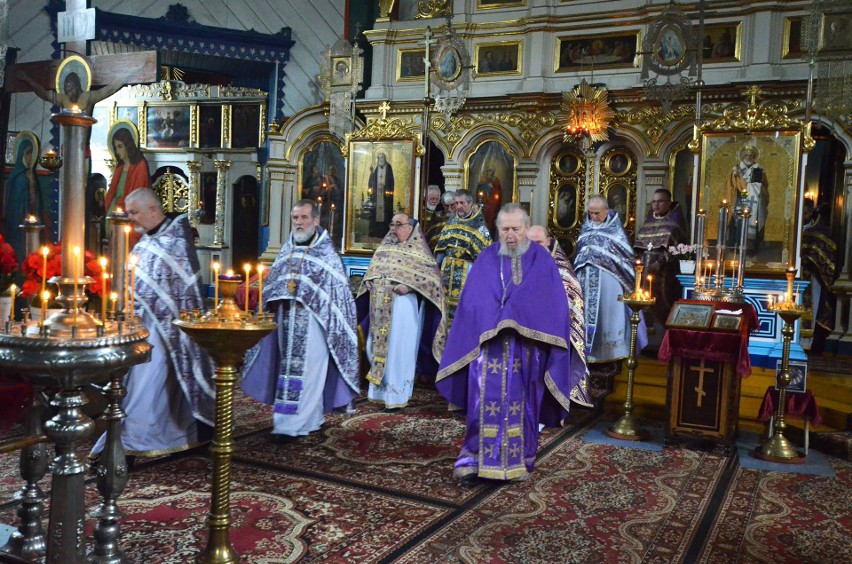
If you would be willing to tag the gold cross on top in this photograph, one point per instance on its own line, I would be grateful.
(384, 108)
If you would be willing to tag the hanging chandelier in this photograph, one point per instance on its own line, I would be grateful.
(589, 114)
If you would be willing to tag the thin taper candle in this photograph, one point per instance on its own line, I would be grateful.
(215, 286)
(12, 289)
(104, 294)
(133, 261)
(247, 268)
(126, 273)
(44, 253)
(76, 272)
(650, 283)
(260, 269)
(114, 298)
(45, 299)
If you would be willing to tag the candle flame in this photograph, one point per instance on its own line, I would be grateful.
(133, 260)
(113, 296)
(260, 269)
(12, 289)
(45, 251)
(103, 262)
(45, 296)
(126, 229)
(119, 210)
(31, 219)
(75, 108)
(230, 272)
(76, 251)
(247, 267)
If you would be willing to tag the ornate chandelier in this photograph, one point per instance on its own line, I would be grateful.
(589, 114)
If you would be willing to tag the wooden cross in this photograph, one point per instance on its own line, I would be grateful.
(699, 389)
(134, 68)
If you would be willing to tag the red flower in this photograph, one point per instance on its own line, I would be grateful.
(8, 264)
(33, 267)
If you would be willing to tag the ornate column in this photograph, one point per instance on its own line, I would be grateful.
(219, 222)
(453, 177)
(282, 196)
(194, 188)
(840, 340)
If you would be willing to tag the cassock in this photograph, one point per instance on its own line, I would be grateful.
(574, 293)
(661, 233)
(604, 267)
(433, 223)
(507, 361)
(167, 395)
(405, 333)
(309, 365)
(461, 241)
(819, 266)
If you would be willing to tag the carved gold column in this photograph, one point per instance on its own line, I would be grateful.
(194, 188)
(219, 222)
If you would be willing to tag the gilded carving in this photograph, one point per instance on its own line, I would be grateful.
(434, 8)
(528, 126)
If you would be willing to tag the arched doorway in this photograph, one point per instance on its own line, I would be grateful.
(245, 220)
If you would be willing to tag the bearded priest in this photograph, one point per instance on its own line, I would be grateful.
(309, 365)
(507, 361)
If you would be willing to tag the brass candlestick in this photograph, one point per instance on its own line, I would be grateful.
(778, 448)
(226, 337)
(627, 427)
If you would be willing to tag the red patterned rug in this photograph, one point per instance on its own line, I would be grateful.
(586, 503)
(409, 452)
(784, 517)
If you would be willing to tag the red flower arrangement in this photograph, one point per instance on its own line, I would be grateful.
(8, 264)
(33, 267)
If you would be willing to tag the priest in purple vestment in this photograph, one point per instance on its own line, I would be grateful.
(507, 361)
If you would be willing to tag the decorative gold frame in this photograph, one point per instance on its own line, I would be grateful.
(610, 181)
(835, 39)
(635, 37)
(715, 31)
(480, 49)
(793, 27)
(617, 157)
(475, 158)
(727, 322)
(498, 4)
(339, 163)
(361, 231)
(561, 177)
(421, 53)
(781, 142)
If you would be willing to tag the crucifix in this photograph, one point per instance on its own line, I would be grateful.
(110, 72)
(699, 389)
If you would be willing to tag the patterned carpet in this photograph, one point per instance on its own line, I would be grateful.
(377, 487)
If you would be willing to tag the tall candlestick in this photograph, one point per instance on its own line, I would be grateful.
(720, 244)
(216, 267)
(12, 289)
(260, 269)
(247, 268)
(44, 253)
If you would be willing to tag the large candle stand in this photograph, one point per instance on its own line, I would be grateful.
(226, 335)
(778, 448)
(627, 428)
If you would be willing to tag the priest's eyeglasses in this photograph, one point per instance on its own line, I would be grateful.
(398, 223)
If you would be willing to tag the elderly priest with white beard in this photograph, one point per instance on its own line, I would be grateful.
(309, 365)
(507, 361)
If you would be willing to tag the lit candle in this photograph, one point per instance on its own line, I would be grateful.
(114, 298)
(75, 274)
(247, 268)
(104, 278)
(650, 283)
(12, 289)
(44, 253)
(260, 269)
(331, 222)
(216, 267)
(791, 273)
(119, 211)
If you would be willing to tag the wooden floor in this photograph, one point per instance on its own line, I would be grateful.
(832, 390)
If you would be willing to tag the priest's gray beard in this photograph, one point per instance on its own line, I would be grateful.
(516, 252)
(392, 238)
(302, 237)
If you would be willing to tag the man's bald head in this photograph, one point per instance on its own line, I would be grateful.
(538, 234)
